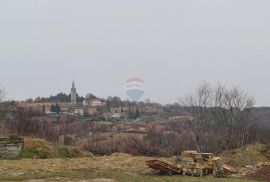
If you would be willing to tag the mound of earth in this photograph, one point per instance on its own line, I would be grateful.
(250, 155)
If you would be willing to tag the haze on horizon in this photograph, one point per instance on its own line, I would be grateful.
(172, 45)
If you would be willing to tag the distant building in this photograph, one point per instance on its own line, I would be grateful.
(94, 103)
(86, 103)
(116, 116)
(116, 109)
(43, 107)
(73, 94)
(78, 111)
(36, 107)
(64, 106)
(125, 109)
(90, 110)
(97, 102)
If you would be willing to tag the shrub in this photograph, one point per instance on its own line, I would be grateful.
(29, 153)
(64, 152)
(43, 154)
(75, 152)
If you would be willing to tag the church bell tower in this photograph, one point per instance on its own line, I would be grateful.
(73, 94)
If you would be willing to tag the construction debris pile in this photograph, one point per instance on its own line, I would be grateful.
(263, 172)
(194, 164)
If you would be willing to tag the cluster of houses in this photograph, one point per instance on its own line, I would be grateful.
(89, 107)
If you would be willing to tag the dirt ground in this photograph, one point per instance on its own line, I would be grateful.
(117, 167)
(262, 173)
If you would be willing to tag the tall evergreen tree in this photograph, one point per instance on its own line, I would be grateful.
(137, 114)
(52, 108)
(57, 108)
(43, 109)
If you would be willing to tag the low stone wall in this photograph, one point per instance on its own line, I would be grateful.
(11, 147)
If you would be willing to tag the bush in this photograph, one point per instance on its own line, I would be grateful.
(42, 149)
(29, 153)
(38, 149)
(64, 152)
(43, 154)
(75, 152)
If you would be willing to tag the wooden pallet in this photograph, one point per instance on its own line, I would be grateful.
(163, 167)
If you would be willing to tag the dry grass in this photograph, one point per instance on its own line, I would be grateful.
(40, 145)
(41, 149)
(250, 155)
(117, 167)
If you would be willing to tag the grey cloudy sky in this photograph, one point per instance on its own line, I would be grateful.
(173, 45)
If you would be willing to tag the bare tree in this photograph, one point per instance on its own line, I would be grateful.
(21, 120)
(198, 104)
(2, 112)
(232, 108)
(2, 94)
(221, 115)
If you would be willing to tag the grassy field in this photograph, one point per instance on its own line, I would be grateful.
(117, 167)
(83, 166)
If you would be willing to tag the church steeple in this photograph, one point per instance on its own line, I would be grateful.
(73, 84)
(73, 94)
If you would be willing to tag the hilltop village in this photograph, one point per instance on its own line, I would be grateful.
(110, 109)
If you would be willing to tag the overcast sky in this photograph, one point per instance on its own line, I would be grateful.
(173, 45)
